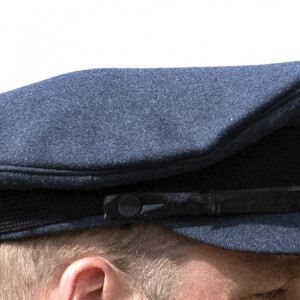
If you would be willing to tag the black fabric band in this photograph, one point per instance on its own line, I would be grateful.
(153, 205)
(24, 209)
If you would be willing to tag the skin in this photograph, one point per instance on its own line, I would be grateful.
(214, 273)
(210, 273)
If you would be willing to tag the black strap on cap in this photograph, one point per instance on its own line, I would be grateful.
(25, 209)
(153, 205)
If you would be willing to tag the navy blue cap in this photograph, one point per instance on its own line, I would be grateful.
(212, 153)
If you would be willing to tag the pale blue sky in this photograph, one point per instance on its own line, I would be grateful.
(41, 39)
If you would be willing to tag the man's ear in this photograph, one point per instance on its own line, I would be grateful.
(92, 278)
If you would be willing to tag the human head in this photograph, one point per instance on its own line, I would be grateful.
(84, 150)
(144, 262)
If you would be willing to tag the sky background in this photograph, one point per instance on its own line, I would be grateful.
(42, 39)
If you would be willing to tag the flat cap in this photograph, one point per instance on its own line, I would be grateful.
(212, 153)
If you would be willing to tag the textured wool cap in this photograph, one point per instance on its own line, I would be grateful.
(212, 153)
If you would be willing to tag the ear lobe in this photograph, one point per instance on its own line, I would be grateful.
(89, 284)
(93, 278)
(84, 279)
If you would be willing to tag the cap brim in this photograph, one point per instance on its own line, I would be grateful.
(267, 233)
